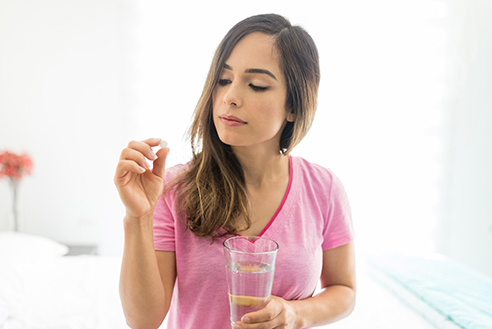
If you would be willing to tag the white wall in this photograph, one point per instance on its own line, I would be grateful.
(62, 76)
(467, 220)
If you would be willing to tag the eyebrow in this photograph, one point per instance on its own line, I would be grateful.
(261, 71)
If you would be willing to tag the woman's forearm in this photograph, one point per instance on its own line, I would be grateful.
(331, 304)
(141, 289)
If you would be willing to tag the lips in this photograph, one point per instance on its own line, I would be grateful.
(230, 120)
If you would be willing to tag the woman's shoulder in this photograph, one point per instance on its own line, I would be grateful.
(318, 180)
(173, 174)
(176, 170)
(311, 170)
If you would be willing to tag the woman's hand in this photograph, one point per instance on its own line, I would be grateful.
(278, 313)
(139, 186)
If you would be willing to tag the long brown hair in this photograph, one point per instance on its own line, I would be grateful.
(212, 193)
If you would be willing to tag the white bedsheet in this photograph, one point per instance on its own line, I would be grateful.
(378, 308)
(72, 293)
(49, 291)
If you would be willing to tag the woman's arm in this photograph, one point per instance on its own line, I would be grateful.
(147, 277)
(334, 302)
(337, 299)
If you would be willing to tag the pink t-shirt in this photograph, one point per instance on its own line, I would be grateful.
(314, 216)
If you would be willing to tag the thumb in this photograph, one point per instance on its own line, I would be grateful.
(159, 164)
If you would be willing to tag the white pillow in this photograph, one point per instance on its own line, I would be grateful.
(23, 257)
(23, 246)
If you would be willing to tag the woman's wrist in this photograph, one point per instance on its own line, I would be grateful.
(142, 223)
(299, 322)
(330, 305)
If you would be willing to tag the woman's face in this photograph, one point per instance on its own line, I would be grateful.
(249, 100)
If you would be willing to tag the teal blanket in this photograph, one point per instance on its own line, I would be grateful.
(459, 293)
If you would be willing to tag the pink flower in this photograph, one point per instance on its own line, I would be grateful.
(15, 166)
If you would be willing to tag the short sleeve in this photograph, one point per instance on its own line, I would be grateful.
(165, 217)
(163, 226)
(338, 228)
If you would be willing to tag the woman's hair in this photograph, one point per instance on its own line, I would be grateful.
(212, 192)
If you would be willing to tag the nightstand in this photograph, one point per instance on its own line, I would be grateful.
(74, 250)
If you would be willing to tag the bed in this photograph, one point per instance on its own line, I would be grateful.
(41, 288)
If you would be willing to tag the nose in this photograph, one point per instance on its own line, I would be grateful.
(232, 96)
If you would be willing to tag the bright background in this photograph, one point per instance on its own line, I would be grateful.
(404, 116)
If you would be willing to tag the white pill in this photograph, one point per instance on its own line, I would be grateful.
(163, 144)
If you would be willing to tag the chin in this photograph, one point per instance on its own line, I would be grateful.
(232, 140)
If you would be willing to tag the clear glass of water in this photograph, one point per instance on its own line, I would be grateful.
(250, 267)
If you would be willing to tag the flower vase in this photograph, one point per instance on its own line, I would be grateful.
(14, 183)
(14, 167)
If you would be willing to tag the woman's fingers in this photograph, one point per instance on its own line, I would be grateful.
(134, 158)
(160, 163)
(145, 147)
(134, 155)
(140, 151)
(139, 186)
(152, 141)
(129, 165)
(278, 313)
(268, 313)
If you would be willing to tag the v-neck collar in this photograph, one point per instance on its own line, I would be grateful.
(284, 199)
(287, 192)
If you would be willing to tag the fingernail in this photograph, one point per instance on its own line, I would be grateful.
(246, 320)
(146, 165)
(237, 327)
(142, 170)
(152, 155)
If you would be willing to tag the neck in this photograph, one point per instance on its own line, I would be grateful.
(262, 167)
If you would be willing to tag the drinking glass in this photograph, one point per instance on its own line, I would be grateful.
(250, 267)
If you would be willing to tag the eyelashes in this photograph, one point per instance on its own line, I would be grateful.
(225, 82)
(257, 88)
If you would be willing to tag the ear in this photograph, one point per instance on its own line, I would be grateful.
(290, 117)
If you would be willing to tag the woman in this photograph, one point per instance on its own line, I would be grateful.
(258, 103)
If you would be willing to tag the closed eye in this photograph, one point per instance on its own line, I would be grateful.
(257, 88)
(224, 82)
